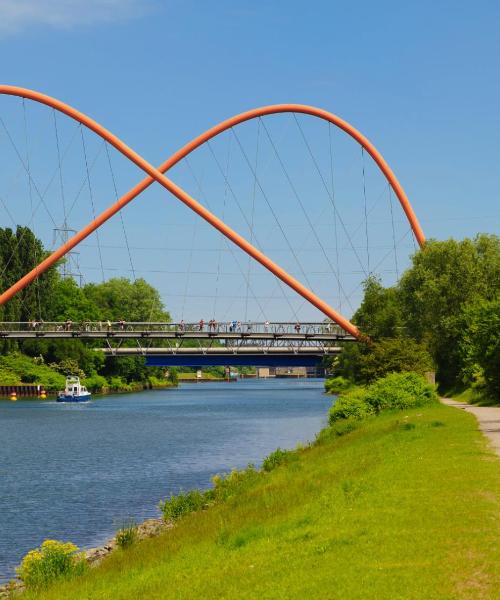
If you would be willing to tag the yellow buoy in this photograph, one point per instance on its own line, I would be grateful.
(13, 396)
(43, 396)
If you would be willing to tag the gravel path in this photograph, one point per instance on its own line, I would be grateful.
(487, 416)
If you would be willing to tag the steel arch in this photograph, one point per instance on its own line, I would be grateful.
(158, 175)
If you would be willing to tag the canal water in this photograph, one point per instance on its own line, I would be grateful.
(78, 471)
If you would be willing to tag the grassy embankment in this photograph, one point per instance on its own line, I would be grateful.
(405, 506)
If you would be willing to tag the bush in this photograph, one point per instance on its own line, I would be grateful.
(95, 383)
(275, 459)
(400, 391)
(337, 429)
(126, 535)
(395, 391)
(351, 405)
(53, 560)
(226, 486)
(177, 506)
(24, 369)
(337, 385)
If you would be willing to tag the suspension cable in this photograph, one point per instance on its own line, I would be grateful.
(31, 178)
(36, 258)
(365, 209)
(335, 229)
(120, 212)
(254, 191)
(313, 158)
(238, 204)
(204, 196)
(264, 195)
(83, 183)
(393, 232)
(61, 185)
(91, 195)
(301, 204)
(219, 256)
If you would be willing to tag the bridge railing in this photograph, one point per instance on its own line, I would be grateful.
(182, 329)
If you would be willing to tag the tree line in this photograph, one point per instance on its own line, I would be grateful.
(52, 297)
(442, 315)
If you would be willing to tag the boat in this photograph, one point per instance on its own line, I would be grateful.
(74, 391)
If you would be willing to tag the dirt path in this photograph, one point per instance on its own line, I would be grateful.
(487, 416)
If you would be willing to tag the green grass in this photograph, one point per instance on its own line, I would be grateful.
(406, 506)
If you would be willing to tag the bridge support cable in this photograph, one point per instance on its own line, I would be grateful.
(223, 216)
(264, 195)
(122, 221)
(341, 221)
(40, 194)
(254, 190)
(36, 257)
(61, 183)
(335, 231)
(83, 183)
(204, 196)
(91, 196)
(256, 242)
(26, 167)
(335, 273)
(157, 174)
(35, 187)
(190, 258)
(393, 233)
(383, 259)
(365, 210)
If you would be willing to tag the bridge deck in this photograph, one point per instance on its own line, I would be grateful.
(320, 332)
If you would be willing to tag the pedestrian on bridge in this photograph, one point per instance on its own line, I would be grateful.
(297, 327)
(201, 324)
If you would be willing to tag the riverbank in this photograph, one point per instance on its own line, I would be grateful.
(404, 506)
(124, 453)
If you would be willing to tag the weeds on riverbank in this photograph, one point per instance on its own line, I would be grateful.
(127, 534)
(53, 560)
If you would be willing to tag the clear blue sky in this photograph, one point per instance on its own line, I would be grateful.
(421, 80)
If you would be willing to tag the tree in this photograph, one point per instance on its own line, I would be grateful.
(444, 277)
(480, 345)
(364, 363)
(380, 312)
(120, 298)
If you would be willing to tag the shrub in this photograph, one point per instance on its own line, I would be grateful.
(126, 535)
(400, 391)
(226, 486)
(95, 383)
(53, 560)
(275, 459)
(177, 506)
(395, 391)
(352, 405)
(337, 429)
(337, 385)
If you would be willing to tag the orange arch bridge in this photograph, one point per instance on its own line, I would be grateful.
(158, 175)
